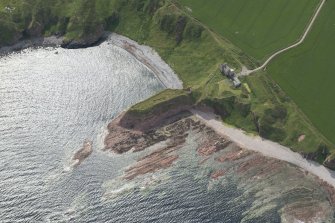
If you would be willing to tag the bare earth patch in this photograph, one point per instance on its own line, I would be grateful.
(301, 138)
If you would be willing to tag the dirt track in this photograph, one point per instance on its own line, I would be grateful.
(246, 72)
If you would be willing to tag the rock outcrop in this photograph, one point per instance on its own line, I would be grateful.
(159, 115)
(83, 153)
(159, 159)
(330, 162)
(35, 29)
(270, 179)
(122, 139)
(87, 40)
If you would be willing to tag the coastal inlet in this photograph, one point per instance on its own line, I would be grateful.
(52, 99)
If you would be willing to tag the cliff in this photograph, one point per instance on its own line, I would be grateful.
(137, 128)
(153, 112)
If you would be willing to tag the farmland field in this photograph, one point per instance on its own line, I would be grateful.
(258, 27)
(307, 73)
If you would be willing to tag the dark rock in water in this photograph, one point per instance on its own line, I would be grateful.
(155, 161)
(83, 153)
(88, 40)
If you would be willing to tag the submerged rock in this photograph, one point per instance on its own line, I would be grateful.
(279, 187)
(217, 174)
(157, 160)
(83, 153)
(174, 134)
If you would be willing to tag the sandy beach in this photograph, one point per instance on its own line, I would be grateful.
(265, 147)
(150, 58)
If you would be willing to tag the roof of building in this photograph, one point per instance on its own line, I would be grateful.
(226, 70)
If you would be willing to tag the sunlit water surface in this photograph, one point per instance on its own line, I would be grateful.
(51, 100)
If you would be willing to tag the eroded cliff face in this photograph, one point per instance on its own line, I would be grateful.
(330, 162)
(143, 126)
(159, 114)
(148, 122)
(322, 153)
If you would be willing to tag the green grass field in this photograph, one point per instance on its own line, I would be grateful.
(258, 27)
(307, 73)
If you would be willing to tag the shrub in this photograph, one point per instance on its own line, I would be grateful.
(167, 23)
(193, 31)
(179, 30)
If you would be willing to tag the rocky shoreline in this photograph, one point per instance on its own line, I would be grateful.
(123, 138)
(134, 132)
(55, 41)
(266, 147)
(172, 132)
(225, 156)
(144, 54)
(52, 41)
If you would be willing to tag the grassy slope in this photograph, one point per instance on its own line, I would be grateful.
(166, 95)
(267, 93)
(196, 62)
(194, 59)
(307, 73)
(74, 18)
(259, 27)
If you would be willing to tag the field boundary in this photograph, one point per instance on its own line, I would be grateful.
(316, 131)
(221, 40)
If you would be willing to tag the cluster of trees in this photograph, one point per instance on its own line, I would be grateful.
(270, 124)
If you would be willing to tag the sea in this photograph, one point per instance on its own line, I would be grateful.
(53, 99)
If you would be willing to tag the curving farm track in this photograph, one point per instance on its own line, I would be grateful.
(245, 71)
